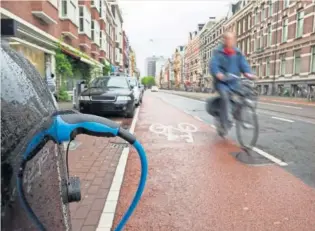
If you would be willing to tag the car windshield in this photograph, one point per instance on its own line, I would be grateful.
(109, 82)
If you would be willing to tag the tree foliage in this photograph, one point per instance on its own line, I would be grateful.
(63, 65)
(106, 69)
(148, 81)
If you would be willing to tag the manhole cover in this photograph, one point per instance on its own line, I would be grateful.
(250, 158)
(73, 145)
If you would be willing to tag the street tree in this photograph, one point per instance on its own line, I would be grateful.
(148, 81)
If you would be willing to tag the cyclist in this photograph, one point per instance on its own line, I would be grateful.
(228, 60)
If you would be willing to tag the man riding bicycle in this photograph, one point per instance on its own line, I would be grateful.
(227, 61)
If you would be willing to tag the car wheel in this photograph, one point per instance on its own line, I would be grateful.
(131, 113)
(138, 103)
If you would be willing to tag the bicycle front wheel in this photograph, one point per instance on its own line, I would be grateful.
(247, 127)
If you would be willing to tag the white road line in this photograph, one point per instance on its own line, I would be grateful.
(198, 118)
(108, 213)
(293, 117)
(213, 126)
(280, 105)
(269, 157)
(282, 119)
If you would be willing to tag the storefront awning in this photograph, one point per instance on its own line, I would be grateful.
(71, 54)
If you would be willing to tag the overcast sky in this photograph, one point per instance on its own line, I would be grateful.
(165, 22)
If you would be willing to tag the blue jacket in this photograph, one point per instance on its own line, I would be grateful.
(235, 64)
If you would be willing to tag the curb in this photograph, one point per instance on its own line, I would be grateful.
(186, 96)
(108, 213)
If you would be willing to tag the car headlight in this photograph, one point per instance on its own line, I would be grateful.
(123, 98)
(84, 98)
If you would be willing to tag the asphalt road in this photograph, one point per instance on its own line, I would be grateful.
(287, 132)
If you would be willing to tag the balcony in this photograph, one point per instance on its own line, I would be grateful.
(44, 11)
(84, 41)
(95, 49)
(102, 54)
(69, 29)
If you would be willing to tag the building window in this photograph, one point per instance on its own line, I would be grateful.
(282, 64)
(64, 8)
(255, 45)
(92, 30)
(269, 36)
(270, 8)
(260, 68)
(254, 70)
(268, 67)
(81, 19)
(248, 22)
(101, 8)
(95, 30)
(297, 62)
(285, 30)
(243, 46)
(261, 40)
(248, 46)
(262, 13)
(244, 25)
(286, 3)
(256, 16)
(69, 10)
(84, 21)
(313, 60)
(299, 24)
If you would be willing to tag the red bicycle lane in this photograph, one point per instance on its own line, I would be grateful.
(198, 186)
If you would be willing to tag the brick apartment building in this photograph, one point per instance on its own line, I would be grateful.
(283, 46)
(211, 37)
(126, 55)
(89, 31)
(277, 37)
(192, 57)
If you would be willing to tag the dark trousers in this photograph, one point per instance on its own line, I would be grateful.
(225, 90)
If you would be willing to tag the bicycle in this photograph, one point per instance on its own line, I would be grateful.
(243, 101)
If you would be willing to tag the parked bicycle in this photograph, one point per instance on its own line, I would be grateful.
(244, 103)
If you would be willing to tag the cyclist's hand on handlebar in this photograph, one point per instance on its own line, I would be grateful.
(220, 76)
(250, 76)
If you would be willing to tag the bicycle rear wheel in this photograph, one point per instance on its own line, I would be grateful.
(247, 127)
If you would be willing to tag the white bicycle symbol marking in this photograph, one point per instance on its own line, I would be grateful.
(183, 130)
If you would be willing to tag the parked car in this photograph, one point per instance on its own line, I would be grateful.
(108, 95)
(154, 89)
(136, 89)
(142, 88)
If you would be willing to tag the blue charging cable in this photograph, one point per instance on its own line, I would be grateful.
(64, 126)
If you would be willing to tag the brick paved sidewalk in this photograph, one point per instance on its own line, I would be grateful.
(94, 161)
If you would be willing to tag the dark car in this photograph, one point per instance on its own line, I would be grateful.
(27, 106)
(108, 95)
